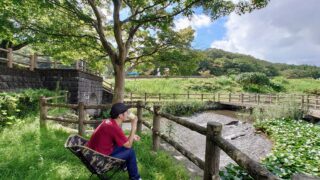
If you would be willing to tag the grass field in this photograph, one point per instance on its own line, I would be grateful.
(28, 152)
(210, 85)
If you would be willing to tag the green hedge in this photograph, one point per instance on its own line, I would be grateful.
(16, 105)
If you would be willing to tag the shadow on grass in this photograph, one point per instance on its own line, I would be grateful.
(29, 152)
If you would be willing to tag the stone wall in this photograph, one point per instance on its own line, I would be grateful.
(16, 79)
(82, 87)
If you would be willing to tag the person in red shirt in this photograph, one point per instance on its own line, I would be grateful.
(109, 139)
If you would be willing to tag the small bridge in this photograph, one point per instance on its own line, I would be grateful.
(21, 71)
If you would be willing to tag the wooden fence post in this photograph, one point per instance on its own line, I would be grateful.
(145, 97)
(43, 111)
(81, 117)
(218, 97)
(258, 98)
(302, 101)
(241, 98)
(212, 155)
(77, 65)
(66, 94)
(10, 58)
(174, 97)
(159, 96)
(139, 115)
(35, 56)
(317, 102)
(32, 63)
(214, 97)
(156, 128)
(188, 94)
(201, 96)
(131, 96)
(229, 97)
(308, 100)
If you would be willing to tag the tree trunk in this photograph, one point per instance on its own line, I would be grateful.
(119, 70)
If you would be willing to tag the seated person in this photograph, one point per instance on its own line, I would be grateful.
(109, 139)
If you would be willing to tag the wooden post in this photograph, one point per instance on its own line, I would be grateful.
(317, 102)
(229, 97)
(156, 128)
(308, 100)
(212, 155)
(55, 64)
(201, 96)
(270, 98)
(77, 65)
(214, 97)
(255, 98)
(66, 93)
(258, 98)
(159, 96)
(10, 58)
(174, 97)
(35, 56)
(188, 94)
(145, 97)
(302, 101)
(139, 115)
(43, 111)
(81, 117)
(241, 98)
(131, 96)
(32, 63)
(218, 97)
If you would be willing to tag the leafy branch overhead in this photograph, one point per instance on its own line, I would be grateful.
(118, 30)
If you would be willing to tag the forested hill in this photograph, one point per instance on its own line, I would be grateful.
(220, 62)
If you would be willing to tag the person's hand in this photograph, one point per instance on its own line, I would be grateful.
(136, 138)
(134, 122)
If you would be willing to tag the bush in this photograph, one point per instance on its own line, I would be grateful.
(285, 110)
(186, 108)
(14, 106)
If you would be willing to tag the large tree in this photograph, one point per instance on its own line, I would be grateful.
(126, 31)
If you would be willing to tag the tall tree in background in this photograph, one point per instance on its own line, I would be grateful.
(124, 30)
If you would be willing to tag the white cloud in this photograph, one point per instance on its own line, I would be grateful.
(196, 21)
(285, 31)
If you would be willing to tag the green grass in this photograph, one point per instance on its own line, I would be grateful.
(28, 152)
(301, 85)
(210, 85)
(181, 85)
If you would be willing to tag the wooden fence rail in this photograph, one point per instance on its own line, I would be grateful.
(34, 61)
(214, 142)
(310, 101)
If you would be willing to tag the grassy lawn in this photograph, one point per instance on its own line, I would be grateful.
(28, 152)
(209, 85)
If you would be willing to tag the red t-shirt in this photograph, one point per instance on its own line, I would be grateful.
(106, 136)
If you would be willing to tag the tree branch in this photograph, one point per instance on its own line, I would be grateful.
(99, 28)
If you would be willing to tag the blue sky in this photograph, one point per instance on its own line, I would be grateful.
(286, 31)
(205, 36)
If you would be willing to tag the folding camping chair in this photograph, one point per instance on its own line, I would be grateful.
(96, 162)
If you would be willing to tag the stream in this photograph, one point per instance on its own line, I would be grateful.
(238, 132)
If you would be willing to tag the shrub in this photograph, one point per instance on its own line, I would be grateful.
(186, 108)
(14, 106)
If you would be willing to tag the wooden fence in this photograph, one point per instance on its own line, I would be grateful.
(36, 61)
(310, 101)
(214, 141)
